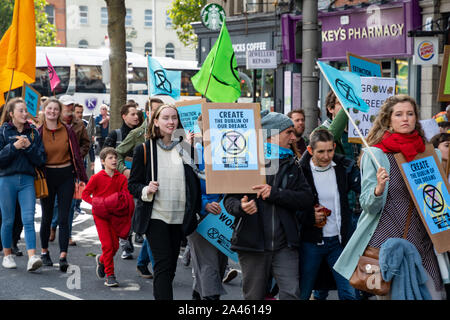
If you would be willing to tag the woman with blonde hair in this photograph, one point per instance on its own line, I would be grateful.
(164, 180)
(385, 199)
(21, 151)
(63, 166)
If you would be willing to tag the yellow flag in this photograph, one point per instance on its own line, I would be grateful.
(18, 49)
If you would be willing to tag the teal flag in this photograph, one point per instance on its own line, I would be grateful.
(161, 81)
(346, 86)
(218, 78)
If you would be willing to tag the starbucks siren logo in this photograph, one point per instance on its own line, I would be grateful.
(213, 16)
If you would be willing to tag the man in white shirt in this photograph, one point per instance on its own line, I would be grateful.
(331, 176)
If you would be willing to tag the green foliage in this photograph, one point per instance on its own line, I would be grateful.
(45, 32)
(182, 13)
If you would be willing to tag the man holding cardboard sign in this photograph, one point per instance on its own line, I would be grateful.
(266, 225)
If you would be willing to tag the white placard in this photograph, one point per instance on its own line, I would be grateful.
(430, 128)
(375, 91)
(262, 59)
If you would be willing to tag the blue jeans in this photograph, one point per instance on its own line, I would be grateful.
(311, 255)
(18, 187)
(145, 256)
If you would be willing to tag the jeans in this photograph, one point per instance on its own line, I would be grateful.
(145, 256)
(18, 187)
(311, 255)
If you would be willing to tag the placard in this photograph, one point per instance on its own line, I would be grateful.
(189, 111)
(32, 99)
(430, 128)
(234, 155)
(430, 192)
(363, 66)
(218, 229)
(444, 81)
(374, 92)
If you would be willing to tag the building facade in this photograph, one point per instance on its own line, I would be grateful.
(147, 25)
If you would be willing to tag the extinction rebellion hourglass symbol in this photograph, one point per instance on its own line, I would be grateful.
(435, 202)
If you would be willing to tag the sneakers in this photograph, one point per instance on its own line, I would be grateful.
(46, 261)
(34, 263)
(111, 281)
(230, 275)
(144, 272)
(126, 255)
(63, 264)
(100, 270)
(8, 262)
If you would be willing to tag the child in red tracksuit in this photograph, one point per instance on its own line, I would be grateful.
(101, 185)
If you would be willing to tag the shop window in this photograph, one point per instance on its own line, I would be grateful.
(257, 86)
(401, 76)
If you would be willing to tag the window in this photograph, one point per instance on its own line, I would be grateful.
(168, 20)
(83, 44)
(148, 49)
(148, 18)
(83, 14)
(104, 16)
(50, 11)
(89, 79)
(128, 18)
(128, 46)
(170, 50)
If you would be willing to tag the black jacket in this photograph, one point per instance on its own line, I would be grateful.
(111, 139)
(348, 178)
(276, 223)
(141, 176)
(23, 161)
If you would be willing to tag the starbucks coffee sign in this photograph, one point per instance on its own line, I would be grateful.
(212, 16)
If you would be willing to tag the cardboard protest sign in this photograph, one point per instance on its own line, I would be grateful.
(189, 111)
(217, 229)
(374, 92)
(234, 155)
(32, 99)
(444, 82)
(363, 66)
(430, 192)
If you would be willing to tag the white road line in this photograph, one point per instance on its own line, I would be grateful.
(61, 293)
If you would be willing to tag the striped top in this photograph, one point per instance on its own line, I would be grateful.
(393, 221)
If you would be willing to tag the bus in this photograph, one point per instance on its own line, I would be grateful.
(84, 74)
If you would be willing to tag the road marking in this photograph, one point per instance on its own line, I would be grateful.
(61, 293)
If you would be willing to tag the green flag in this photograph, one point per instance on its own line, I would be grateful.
(218, 79)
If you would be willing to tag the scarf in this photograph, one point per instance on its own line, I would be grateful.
(274, 151)
(408, 144)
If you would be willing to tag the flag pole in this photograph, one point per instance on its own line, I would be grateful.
(10, 86)
(353, 123)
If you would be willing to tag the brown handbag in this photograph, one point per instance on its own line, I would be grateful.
(367, 275)
(40, 184)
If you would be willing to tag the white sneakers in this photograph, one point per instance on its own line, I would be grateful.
(34, 263)
(8, 262)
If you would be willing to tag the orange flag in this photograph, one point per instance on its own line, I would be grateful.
(18, 49)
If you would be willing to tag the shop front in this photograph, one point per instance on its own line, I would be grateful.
(256, 33)
(379, 32)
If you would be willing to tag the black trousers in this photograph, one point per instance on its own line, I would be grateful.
(60, 182)
(164, 240)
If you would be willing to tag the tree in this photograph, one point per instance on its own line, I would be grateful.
(182, 13)
(117, 59)
(45, 31)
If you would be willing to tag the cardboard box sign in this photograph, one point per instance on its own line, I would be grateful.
(32, 99)
(234, 154)
(189, 111)
(429, 190)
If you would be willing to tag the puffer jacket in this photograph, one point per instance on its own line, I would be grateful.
(22, 161)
